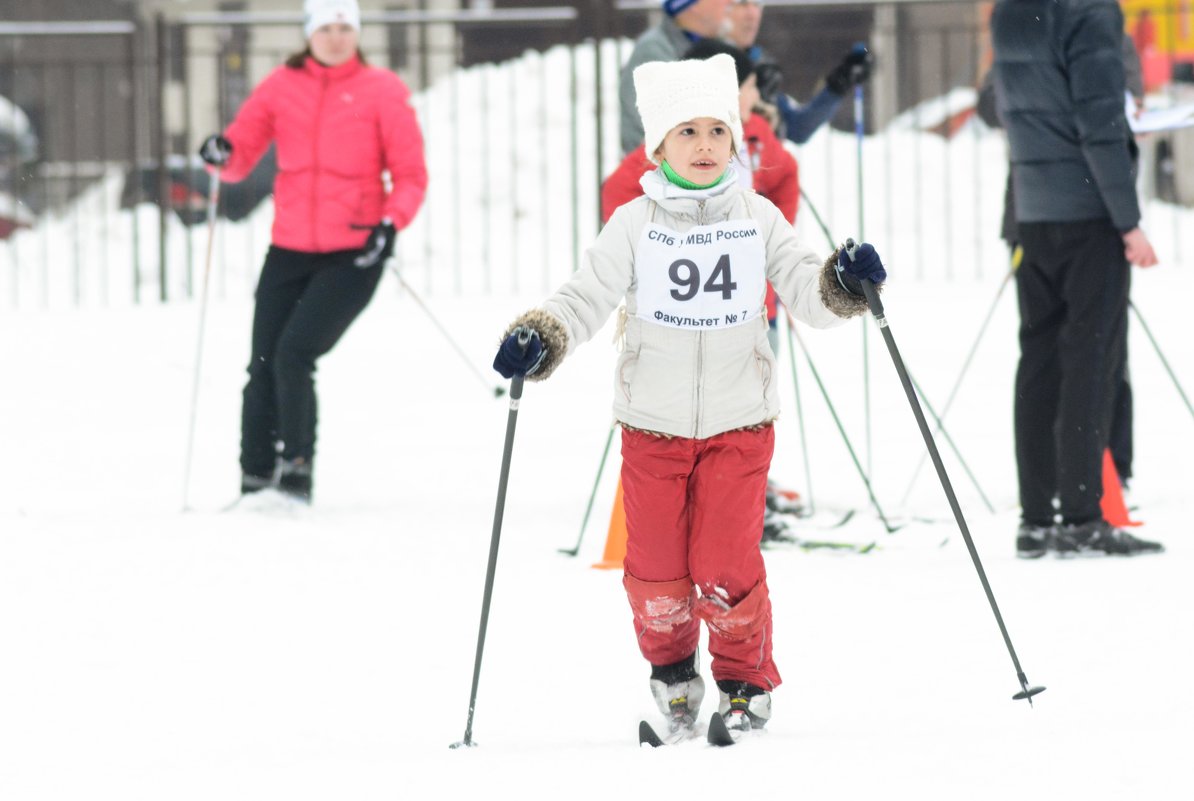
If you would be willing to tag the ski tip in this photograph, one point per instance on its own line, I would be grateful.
(647, 735)
(718, 734)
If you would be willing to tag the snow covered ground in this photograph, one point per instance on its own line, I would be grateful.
(147, 652)
(152, 653)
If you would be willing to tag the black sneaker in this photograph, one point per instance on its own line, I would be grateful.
(1033, 541)
(250, 483)
(294, 478)
(744, 706)
(1100, 538)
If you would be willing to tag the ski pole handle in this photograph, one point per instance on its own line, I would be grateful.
(868, 287)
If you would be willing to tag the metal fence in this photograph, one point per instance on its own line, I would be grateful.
(109, 207)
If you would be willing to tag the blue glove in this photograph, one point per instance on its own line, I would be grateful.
(378, 247)
(215, 150)
(521, 353)
(856, 263)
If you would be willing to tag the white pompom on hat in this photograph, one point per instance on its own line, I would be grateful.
(317, 13)
(672, 92)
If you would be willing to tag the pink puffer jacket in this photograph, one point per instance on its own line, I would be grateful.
(337, 129)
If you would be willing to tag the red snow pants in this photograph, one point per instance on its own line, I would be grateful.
(694, 520)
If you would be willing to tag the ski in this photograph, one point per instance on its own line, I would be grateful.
(840, 546)
(842, 521)
(719, 734)
(648, 736)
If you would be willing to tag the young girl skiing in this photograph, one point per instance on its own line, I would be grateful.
(693, 385)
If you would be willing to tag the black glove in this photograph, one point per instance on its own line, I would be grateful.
(215, 150)
(520, 354)
(378, 247)
(769, 79)
(856, 263)
(854, 69)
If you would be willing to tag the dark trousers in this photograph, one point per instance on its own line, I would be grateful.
(1073, 293)
(305, 303)
(1121, 426)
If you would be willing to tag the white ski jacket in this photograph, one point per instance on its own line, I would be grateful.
(688, 383)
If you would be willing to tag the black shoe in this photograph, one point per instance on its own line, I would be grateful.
(1033, 541)
(294, 478)
(1100, 538)
(250, 483)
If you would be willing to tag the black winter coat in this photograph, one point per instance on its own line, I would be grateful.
(1059, 82)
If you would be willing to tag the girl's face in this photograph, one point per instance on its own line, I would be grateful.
(698, 150)
(334, 44)
(748, 96)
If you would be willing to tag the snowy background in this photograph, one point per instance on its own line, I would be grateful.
(147, 652)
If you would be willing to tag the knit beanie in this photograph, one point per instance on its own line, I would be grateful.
(672, 92)
(674, 7)
(317, 13)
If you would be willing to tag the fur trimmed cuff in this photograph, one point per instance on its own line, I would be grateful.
(837, 298)
(552, 333)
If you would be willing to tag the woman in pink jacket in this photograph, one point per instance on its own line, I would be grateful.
(340, 127)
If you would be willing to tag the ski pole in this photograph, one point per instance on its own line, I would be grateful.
(842, 430)
(876, 306)
(213, 199)
(866, 349)
(1161, 356)
(958, 383)
(808, 203)
(498, 391)
(574, 550)
(808, 473)
(511, 421)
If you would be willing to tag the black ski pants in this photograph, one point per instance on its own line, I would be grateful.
(305, 303)
(1073, 292)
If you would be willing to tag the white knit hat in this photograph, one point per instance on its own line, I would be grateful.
(317, 13)
(672, 92)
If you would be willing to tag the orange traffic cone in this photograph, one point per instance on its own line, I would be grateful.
(615, 541)
(1115, 511)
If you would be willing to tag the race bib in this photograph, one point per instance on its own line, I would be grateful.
(709, 277)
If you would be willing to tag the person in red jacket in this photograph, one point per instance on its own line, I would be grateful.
(339, 126)
(770, 170)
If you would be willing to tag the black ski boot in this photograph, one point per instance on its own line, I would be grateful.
(1033, 541)
(743, 706)
(294, 479)
(678, 690)
(1100, 538)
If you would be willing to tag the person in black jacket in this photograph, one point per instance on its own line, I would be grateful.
(1059, 84)
(1121, 444)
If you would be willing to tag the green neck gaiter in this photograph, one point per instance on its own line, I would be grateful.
(684, 183)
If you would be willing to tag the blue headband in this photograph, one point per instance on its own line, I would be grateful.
(674, 7)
